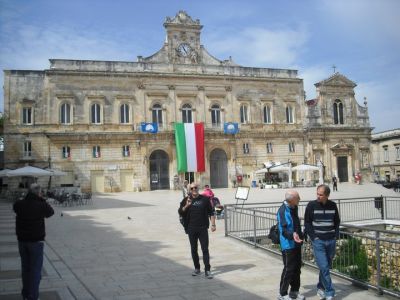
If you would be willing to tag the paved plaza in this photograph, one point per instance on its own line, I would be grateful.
(132, 246)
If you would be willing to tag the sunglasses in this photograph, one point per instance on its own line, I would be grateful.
(194, 188)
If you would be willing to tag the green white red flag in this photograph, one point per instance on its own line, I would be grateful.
(189, 139)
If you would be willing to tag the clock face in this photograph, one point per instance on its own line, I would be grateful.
(184, 49)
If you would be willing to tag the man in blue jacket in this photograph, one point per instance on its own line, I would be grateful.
(291, 240)
(322, 222)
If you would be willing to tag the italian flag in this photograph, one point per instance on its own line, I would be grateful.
(189, 139)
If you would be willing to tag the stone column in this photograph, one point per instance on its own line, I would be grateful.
(201, 98)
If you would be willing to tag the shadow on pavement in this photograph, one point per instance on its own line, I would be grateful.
(111, 265)
(229, 268)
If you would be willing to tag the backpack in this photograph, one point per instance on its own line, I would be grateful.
(182, 221)
(274, 234)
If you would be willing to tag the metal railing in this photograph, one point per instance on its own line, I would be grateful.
(365, 255)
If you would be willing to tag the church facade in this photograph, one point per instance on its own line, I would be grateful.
(83, 117)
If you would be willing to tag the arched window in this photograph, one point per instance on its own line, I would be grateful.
(267, 114)
(187, 113)
(157, 115)
(124, 114)
(289, 114)
(65, 113)
(244, 114)
(95, 113)
(215, 115)
(338, 112)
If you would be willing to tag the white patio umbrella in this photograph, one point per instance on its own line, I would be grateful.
(29, 171)
(56, 172)
(262, 171)
(304, 167)
(284, 168)
(3, 173)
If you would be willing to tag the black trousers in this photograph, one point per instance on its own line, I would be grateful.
(195, 235)
(291, 271)
(335, 186)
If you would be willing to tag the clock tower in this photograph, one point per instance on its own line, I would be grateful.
(183, 39)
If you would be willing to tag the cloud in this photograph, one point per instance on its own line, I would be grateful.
(367, 20)
(383, 103)
(30, 47)
(311, 75)
(255, 46)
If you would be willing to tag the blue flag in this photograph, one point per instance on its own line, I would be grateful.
(149, 127)
(231, 128)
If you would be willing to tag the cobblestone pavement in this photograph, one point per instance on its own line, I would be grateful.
(132, 246)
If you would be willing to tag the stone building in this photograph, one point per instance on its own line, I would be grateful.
(83, 117)
(386, 155)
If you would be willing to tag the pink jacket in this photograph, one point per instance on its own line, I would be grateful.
(208, 193)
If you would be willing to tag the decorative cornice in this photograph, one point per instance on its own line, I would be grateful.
(157, 94)
(65, 96)
(182, 18)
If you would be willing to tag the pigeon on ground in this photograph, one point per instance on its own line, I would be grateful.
(129, 218)
(61, 214)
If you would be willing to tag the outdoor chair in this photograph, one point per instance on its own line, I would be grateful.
(76, 199)
(87, 198)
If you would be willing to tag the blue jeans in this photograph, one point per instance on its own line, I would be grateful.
(324, 251)
(31, 266)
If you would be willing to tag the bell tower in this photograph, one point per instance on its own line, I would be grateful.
(183, 39)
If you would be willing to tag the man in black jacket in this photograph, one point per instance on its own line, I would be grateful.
(30, 229)
(196, 211)
(322, 222)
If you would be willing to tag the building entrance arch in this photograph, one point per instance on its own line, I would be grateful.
(159, 170)
(218, 169)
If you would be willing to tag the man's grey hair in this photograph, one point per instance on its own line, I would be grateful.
(35, 188)
(290, 195)
(327, 190)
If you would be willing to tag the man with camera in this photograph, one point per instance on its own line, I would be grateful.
(197, 211)
(30, 229)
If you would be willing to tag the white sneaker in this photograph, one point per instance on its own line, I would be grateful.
(321, 294)
(329, 298)
(296, 296)
(196, 272)
(286, 297)
(209, 275)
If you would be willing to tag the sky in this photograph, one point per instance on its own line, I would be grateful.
(360, 37)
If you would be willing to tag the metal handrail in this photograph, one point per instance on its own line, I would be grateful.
(251, 224)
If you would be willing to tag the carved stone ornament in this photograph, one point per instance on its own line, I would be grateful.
(141, 86)
(194, 58)
(182, 18)
(228, 88)
(200, 88)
